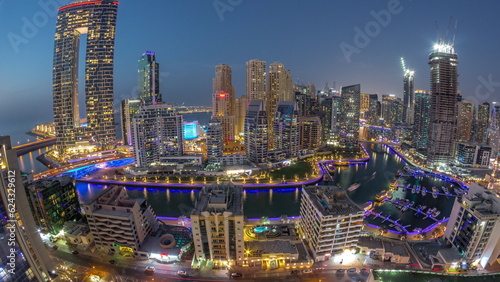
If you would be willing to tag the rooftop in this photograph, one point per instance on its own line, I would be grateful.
(370, 243)
(219, 198)
(396, 249)
(331, 200)
(271, 247)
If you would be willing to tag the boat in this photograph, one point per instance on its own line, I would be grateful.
(436, 213)
(413, 189)
(424, 191)
(434, 189)
(434, 195)
(417, 190)
(353, 187)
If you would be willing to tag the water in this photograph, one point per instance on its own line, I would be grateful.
(29, 163)
(202, 118)
(373, 177)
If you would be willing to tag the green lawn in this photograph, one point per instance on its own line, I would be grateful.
(300, 169)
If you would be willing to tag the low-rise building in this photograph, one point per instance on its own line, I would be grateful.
(119, 224)
(330, 222)
(78, 235)
(472, 154)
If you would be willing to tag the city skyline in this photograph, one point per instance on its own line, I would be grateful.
(376, 66)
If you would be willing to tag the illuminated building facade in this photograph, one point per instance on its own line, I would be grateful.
(408, 96)
(53, 202)
(256, 80)
(474, 226)
(465, 120)
(279, 88)
(241, 111)
(443, 62)
(149, 78)
(421, 119)
(329, 220)
(482, 122)
(97, 19)
(473, 154)
(158, 133)
(392, 110)
(223, 100)
(119, 224)
(310, 132)
(23, 258)
(128, 108)
(286, 129)
(215, 143)
(217, 224)
(349, 117)
(256, 133)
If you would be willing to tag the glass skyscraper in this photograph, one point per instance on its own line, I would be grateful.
(349, 117)
(443, 62)
(97, 19)
(149, 78)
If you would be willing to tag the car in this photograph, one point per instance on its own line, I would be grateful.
(295, 271)
(351, 270)
(363, 270)
(112, 261)
(340, 270)
(235, 275)
(182, 273)
(307, 271)
(149, 269)
(75, 253)
(55, 247)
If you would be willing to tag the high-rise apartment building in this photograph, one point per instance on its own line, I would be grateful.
(223, 100)
(241, 112)
(443, 62)
(329, 220)
(149, 78)
(157, 134)
(372, 115)
(53, 202)
(408, 96)
(97, 19)
(474, 226)
(218, 224)
(256, 80)
(279, 88)
(286, 129)
(473, 154)
(128, 108)
(392, 110)
(421, 119)
(118, 223)
(465, 120)
(23, 255)
(256, 133)
(310, 132)
(482, 122)
(215, 143)
(349, 117)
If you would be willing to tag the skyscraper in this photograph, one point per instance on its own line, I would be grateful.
(215, 143)
(392, 110)
(128, 108)
(256, 133)
(465, 120)
(157, 134)
(223, 101)
(97, 19)
(286, 129)
(256, 80)
(421, 119)
(349, 117)
(310, 132)
(149, 78)
(241, 111)
(23, 253)
(482, 123)
(408, 96)
(279, 88)
(443, 63)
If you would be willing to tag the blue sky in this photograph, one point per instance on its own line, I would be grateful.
(191, 37)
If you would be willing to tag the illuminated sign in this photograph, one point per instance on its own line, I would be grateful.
(222, 95)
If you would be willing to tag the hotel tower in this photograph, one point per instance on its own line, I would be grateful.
(96, 19)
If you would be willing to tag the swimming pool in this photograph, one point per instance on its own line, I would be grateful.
(261, 229)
